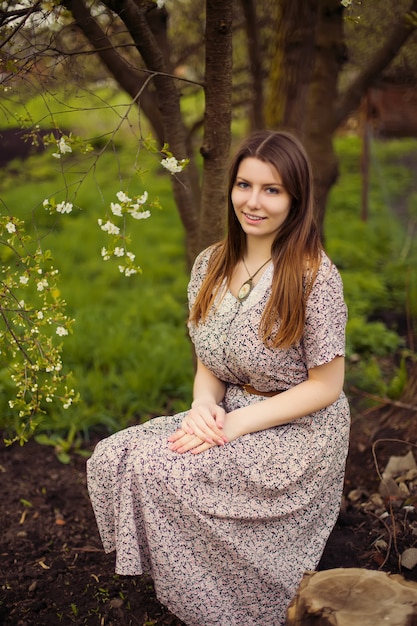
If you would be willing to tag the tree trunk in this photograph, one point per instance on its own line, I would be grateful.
(353, 597)
(292, 64)
(320, 127)
(255, 64)
(217, 119)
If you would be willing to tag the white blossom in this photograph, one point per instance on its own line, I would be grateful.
(10, 227)
(119, 251)
(24, 280)
(46, 203)
(61, 331)
(63, 146)
(39, 315)
(122, 197)
(143, 198)
(127, 271)
(160, 3)
(140, 215)
(130, 256)
(109, 227)
(42, 284)
(116, 209)
(105, 254)
(64, 207)
(172, 165)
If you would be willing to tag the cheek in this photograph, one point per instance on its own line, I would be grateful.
(235, 198)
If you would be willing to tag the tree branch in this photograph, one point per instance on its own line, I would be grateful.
(25, 13)
(185, 184)
(129, 78)
(401, 31)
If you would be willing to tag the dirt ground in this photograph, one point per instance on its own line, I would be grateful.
(54, 571)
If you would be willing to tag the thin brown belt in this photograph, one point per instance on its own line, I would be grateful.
(256, 392)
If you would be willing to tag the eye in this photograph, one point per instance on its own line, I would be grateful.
(242, 185)
(273, 190)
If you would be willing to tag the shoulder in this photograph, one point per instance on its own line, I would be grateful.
(326, 271)
(202, 260)
(326, 289)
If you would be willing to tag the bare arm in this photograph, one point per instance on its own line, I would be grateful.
(322, 388)
(205, 419)
(207, 387)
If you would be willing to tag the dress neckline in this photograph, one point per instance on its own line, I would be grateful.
(258, 290)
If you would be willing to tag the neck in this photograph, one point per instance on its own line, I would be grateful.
(257, 251)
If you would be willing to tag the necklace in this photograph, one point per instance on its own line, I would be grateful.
(247, 286)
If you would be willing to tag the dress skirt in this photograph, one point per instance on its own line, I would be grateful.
(228, 533)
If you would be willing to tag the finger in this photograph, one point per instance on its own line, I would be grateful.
(206, 428)
(187, 426)
(186, 446)
(219, 418)
(183, 440)
(177, 435)
(201, 448)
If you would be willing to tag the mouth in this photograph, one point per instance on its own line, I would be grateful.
(253, 218)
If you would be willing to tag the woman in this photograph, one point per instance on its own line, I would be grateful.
(227, 504)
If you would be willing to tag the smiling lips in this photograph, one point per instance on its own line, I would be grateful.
(253, 218)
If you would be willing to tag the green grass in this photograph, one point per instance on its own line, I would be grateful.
(377, 258)
(129, 352)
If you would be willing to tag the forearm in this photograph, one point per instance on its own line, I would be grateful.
(207, 387)
(322, 388)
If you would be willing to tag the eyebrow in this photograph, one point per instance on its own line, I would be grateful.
(245, 180)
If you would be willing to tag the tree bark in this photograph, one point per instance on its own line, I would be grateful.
(257, 120)
(353, 597)
(292, 65)
(319, 128)
(217, 119)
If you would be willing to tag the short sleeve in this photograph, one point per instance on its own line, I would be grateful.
(326, 317)
(198, 273)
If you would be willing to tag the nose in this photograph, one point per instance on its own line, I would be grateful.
(254, 199)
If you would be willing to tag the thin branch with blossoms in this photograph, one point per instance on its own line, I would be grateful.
(32, 323)
(120, 211)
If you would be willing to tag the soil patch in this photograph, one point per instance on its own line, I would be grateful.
(54, 571)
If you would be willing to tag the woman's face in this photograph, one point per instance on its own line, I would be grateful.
(259, 199)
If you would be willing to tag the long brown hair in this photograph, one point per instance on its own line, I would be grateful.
(296, 250)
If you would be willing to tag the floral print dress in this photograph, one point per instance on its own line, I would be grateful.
(228, 533)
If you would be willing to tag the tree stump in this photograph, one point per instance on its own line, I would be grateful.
(353, 597)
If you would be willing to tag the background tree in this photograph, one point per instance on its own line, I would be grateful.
(294, 51)
(306, 90)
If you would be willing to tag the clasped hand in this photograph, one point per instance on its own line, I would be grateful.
(201, 429)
